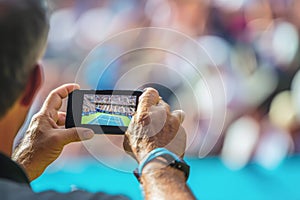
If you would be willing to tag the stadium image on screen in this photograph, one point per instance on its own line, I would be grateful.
(109, 110)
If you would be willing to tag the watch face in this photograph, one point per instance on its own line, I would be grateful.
(181, 165)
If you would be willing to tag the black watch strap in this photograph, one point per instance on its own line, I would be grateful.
(172, 159)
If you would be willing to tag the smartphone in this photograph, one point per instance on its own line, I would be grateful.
(103, 111)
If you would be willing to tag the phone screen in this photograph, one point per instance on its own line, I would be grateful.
(108, 110)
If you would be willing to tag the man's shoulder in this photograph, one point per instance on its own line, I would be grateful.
(11, 170)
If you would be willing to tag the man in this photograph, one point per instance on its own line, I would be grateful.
(23, 32)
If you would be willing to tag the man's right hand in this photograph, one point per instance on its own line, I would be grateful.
(153, 126)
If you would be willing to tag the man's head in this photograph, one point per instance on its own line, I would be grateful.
(23, 33)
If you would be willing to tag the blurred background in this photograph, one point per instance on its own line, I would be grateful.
(253, 46)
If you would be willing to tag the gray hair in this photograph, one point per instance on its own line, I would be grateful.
(23, 33)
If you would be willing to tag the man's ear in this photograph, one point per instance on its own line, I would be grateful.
(33, 84)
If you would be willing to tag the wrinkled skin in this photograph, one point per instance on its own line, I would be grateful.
(45, 138)
(153, 126)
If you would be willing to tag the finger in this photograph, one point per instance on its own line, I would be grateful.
(149, 98)
(66, 136)
(127, 147)
(54, 99)
(178, 144)
(61, 118)
(164, 104)
(179, 114)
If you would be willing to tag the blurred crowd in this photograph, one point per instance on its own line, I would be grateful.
(253, 45)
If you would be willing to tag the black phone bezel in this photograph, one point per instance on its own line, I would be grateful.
(74, 110)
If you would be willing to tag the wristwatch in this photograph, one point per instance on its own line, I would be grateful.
(172, 159)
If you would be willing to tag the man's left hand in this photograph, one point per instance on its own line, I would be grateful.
(45, 138)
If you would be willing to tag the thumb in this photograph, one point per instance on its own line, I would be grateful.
(75, 135)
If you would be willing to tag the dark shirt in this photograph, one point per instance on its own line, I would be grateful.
(14, 185)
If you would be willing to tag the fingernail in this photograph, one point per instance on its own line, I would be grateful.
(182, 116)
(87, 134)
